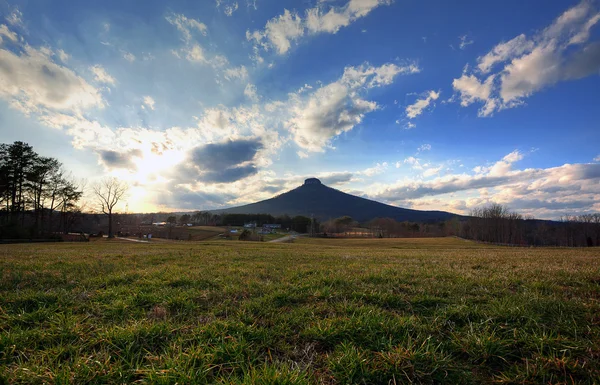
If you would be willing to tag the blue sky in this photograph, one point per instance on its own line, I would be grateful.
(206, 104)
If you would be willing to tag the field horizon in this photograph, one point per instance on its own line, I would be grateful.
(316, 311)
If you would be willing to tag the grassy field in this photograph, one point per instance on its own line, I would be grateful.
(315, 311)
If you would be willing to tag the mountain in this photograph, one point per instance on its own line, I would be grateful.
(314, 198)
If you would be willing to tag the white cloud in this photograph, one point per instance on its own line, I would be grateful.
(236, 73)
(149, 102)
(503, 52)
(187, 26)
(368, 76)
(330, 111)
(409, 125)
(379, 168)
(339, 106)
(230, 9)
(10, 35)
(545, 193)
(424, 147)
(230, 6)
(417, 108)
(128, 56)
(101, 76)
(15, 18)
(464, 42)
(431, 171)
(281, 31)
(471, 90)
(413, 162)
(63, 56)
(250, 92)
(302, 154)
(504, 167)
(558, 53)
(597, 159)
(195, 53)
(31, 80)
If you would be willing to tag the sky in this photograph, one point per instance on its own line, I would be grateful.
(204, 104)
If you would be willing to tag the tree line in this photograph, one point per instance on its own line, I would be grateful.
(497, 224)
(40, 199)
(33, 189)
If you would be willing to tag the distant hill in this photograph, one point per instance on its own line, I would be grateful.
(314, 198)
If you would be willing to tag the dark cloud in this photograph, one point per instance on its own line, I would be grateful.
(231, 153)
(229, 175)
(115, 159)
(224, 162)
(584, 63)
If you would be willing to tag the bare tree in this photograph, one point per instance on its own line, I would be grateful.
(109, 192)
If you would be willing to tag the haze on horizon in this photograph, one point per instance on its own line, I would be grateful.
(204, 105)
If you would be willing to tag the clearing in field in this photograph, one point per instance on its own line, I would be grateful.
(312, 312)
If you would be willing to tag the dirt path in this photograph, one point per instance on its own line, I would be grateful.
(287, 238)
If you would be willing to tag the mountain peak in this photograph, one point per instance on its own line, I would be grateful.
(311, 181)
(314, 198)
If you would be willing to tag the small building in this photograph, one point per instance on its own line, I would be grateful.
(272, 226)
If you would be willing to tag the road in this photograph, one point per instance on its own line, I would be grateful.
(287, 238)
(133, 240)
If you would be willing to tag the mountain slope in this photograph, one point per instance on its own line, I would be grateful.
(314, 198)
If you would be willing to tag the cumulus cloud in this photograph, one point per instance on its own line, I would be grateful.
(558, 53)
(281, 31)
(339, 106)
(414, 110)
(471, 90)
(30, 80)
(101, 76)
(545, 193)
(504, 51)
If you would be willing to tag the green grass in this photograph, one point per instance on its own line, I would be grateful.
(312, 312)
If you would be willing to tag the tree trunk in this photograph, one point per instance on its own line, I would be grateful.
(110, 230)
